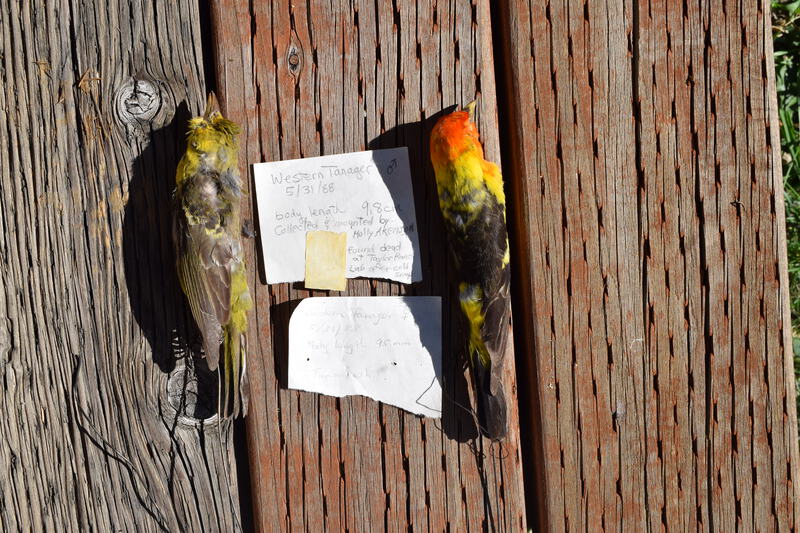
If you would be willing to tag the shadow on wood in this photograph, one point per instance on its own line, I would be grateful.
(281, 313)
(251, 225)
(156, 299)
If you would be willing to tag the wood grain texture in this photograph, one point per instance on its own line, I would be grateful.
(315, 78)
(93, 106)
(651, 264)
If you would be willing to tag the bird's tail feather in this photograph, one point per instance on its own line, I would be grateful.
(492, 414)
(233, 392)
(488, 340)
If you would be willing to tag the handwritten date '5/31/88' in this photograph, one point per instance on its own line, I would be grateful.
(308, 189)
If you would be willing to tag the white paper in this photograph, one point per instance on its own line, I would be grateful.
(388, 348)
(366, 194)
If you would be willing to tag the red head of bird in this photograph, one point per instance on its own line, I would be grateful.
(453, 135)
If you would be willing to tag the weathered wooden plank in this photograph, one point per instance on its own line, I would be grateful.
(644, 145)
(329, 77)
(572, 144)
(672, 235)
(93, 103)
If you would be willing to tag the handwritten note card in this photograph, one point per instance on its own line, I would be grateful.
(366, 194)
(388, 348)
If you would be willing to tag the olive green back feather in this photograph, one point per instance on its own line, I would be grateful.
(210, 261)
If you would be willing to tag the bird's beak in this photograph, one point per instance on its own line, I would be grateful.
(211, 105)
(470, 107)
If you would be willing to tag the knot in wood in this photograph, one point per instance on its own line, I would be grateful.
(192, 392)
(137, 100)
(294, 58)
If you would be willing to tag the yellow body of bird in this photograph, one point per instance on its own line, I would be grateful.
(210, 262)
(472, 202)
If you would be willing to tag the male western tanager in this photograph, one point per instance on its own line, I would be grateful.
(473, 206)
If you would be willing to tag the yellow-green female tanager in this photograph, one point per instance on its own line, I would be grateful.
(207, 233)
(474, 209)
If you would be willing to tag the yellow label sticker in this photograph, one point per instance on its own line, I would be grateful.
(326, 254)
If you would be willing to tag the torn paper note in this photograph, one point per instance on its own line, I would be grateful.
(365, 194)
(388, 348)
(325, 260)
